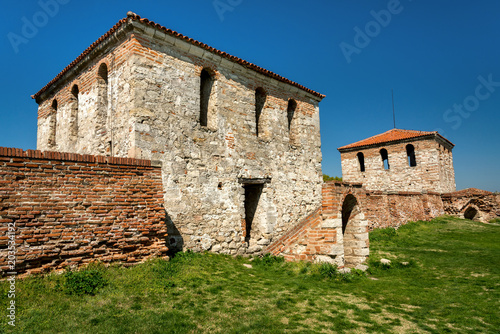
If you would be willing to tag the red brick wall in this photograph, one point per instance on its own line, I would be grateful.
(319, 236)
(395, 209)
(70, 209)
(304, 240)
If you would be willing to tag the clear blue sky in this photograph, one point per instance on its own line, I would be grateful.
(442, 58)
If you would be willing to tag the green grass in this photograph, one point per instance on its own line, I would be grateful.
(495, 221)
(449, 285)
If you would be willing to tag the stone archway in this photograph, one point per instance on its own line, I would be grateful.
(354, 231)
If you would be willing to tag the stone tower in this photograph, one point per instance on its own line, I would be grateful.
(239, 145)
(400, 160)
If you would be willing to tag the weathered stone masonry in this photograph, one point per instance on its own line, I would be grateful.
(70, 209)
(240, 145)
(429, 169)
(239, 149)
(474, 204)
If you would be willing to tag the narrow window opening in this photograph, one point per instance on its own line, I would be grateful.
(74, 112)
(410, 152)
(101, 131)
(361, 160)
(385, 158)
(252, 196)
(53, 125)
(102, 80)
(260, 101)
(205, 92)
(103, 73)
(292, 105)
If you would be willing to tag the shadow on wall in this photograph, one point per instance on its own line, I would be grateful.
(175, 242)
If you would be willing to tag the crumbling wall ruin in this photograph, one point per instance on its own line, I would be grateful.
(474, 204)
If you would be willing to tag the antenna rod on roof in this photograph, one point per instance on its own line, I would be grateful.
(393, 114)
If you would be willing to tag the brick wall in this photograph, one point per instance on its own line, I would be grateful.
(70, 209)
(337, 232)
(304, 240)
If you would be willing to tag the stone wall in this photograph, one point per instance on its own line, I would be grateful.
(433, 171)
(474, 204)
(205, 194)
(152, 111)
(66, 209)
(337, 232)
(89, 112)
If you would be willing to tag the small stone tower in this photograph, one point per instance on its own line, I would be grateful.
(400, 160)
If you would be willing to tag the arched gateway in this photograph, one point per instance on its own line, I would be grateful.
(354, 231)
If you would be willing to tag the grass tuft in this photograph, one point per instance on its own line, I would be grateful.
(85, 281)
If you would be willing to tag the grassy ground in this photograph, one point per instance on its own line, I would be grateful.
(450, 284)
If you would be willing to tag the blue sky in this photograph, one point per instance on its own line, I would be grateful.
(442, 58)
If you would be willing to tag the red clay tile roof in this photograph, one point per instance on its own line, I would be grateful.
(135, 17)
(391, 136)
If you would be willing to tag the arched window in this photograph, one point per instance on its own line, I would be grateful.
(103, 72)
(102, 81)
(260, 101)
(290, 112)
(207, 82)
(385, 158)
(410, 152)
(101, 135)
(361, 160)
(53, 125)
(74, 112)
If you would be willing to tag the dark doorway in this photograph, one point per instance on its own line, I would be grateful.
(252, 196)
(347, 209)
(471, 213)
(354, 232)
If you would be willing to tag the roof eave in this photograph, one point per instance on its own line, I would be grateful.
(131, 21)
(111, 38)
(433, 135)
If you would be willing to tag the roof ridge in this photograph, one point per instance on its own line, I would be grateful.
(135, 17)
(392, 135)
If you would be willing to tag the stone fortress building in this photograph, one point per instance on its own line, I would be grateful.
(151, 142)
(239, 145)
(400, 160)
